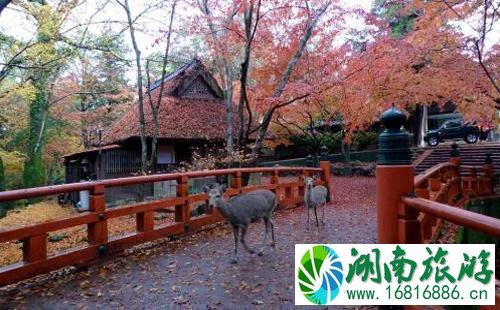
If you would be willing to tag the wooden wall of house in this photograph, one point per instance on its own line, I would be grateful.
(126, 161)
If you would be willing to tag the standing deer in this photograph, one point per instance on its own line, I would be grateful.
(315, 196)
(242, 209)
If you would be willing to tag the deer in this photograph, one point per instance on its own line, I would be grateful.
(241, 210)
(315, 196)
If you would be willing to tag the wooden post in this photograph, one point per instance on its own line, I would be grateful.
(145, 221)
(488, 175)
(182, 211)
(275, 179)
(394, 175)
(474, 182)
(35, 248)
(408, 225)
(236, 181)
(392, 182)
(455, 159)
(98, 231)
(455, 154)
(325, 166)
(301, 187)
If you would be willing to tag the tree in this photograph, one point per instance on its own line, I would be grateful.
(443, 13)
(220, 40)
(268, 40)
(41, 76)
(156, 102)
(285, 76)
(131, 22)
(35, 67)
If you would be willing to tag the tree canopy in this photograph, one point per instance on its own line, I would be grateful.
(284, 67)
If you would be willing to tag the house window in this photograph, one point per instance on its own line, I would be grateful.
(166, 154)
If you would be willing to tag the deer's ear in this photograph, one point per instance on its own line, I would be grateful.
(206, 189)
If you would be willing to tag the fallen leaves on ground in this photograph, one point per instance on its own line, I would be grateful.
(196, 271)
(64, 239)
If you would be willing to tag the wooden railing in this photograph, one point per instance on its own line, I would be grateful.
(286, 182)
(444, 186)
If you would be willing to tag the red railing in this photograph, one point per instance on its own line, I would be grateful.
(444, 184)
(289, 189)
(438, 193)
(413, 209)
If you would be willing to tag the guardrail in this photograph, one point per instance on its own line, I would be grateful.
(410, 208)
(290, 191)
(444, 184)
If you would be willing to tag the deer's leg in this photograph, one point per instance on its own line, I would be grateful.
(243, 233)
(273, 244)
(307, 207)
(236, 233)
(316, 215)
(323, 215)
(264, 240)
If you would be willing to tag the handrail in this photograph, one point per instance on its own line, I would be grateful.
(74, 187)
(431, 172)
(34, 237)
(486, 224)
(478, 167)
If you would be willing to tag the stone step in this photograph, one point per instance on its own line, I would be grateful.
(473, 155)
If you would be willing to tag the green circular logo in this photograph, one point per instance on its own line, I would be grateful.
(320, 274)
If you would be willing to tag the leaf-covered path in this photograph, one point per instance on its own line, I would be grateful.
(196, 272)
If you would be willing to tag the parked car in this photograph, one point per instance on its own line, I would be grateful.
(455, 129)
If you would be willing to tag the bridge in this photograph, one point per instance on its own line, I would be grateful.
(185, 262)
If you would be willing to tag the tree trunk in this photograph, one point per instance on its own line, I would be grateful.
(140, 101)
(33, 174)
(228, 94)
(423, 125)
(154, 141)
(286, 76)
(225, 71)
(346, 151)
(155, 107)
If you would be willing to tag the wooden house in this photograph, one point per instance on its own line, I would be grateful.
(191, 114)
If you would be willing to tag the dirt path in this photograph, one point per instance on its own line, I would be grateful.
(196, 273)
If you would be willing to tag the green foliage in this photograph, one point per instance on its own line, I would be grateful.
(34, 173)
(364, 140)
(400, 21)
(361, 141)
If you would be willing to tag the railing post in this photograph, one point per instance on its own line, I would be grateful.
(455, 160)
(394, 174)
(488, 174)
(408, 225)
(35, 248)
(236, 181)
(98, 231)
(275, 180)
(301, 188)
(455, 154)
(182, 211)
(145, 221)
(325, 176)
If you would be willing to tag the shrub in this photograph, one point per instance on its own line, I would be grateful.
(364, 140)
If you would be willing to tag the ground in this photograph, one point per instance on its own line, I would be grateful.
(195, 272)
